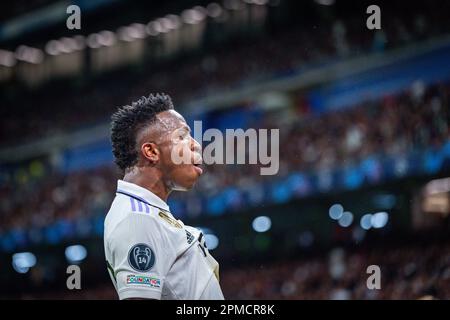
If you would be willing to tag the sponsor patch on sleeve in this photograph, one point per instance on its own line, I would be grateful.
(144, 280)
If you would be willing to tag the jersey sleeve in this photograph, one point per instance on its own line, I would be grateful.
(142, 254)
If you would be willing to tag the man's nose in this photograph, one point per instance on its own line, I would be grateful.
(195, 146)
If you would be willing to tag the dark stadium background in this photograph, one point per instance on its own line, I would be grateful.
(364, 140)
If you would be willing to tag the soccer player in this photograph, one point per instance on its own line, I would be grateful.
(150, 254)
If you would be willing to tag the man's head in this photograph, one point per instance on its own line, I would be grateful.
(148, 134)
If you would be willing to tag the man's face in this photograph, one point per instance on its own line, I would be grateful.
(179, 157)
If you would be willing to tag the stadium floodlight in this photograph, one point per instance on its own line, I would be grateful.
(29, 54)
(106, 38)
(191, 16)
(186, 16)
(212, 241)
(68, 45)
(201, 11)
(93, 41)
(153, 28)
(65, 45)
(214, 10)
(166, 24)
(335, 212)
(198, 15)
(346, 219)
(194, 15)
(75, 254)
(379, 219)
(437, 186)
(261, 224)
(7, 58)
(52, 47)
(160, 25)
(137, 31)
(23, 261)
(174, 21)
(366, 221)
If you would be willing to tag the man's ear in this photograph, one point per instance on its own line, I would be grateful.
(150, 152)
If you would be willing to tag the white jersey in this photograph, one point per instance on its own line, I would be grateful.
(150, 254)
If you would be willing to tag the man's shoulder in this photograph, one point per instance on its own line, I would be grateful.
(124, 223)
(126, 208)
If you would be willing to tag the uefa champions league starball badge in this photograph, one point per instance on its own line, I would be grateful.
(141, 257)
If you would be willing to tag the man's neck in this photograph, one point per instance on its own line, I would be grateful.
(148, 178)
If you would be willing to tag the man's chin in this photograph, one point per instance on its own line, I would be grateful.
(184, 187)
(179, 188)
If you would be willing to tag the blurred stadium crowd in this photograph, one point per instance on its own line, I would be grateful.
(395, 125)
(408, 272)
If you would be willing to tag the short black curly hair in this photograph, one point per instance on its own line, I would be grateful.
(128, 120)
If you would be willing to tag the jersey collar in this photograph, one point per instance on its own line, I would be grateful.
(133, 190)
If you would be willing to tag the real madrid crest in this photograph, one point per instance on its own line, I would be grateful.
(170, 220)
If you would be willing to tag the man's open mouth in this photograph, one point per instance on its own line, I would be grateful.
(198, 168)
